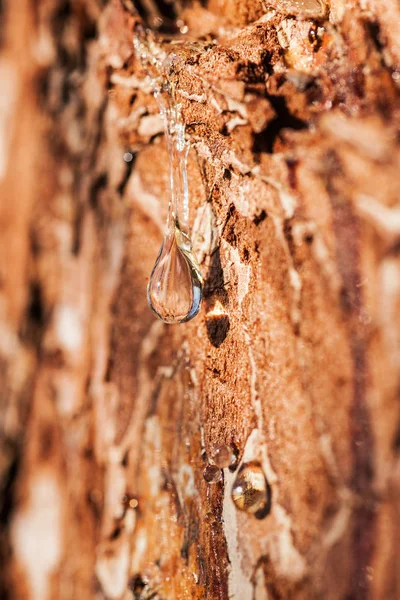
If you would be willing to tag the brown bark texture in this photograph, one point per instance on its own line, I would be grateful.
(109, 417)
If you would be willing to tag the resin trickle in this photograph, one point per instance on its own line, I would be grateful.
(175, 288)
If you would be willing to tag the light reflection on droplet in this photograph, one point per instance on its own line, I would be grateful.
(129, 501)
(128, 156)
(217, 310)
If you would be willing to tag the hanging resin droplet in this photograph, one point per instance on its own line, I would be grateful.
(175, 288)
(250, 491)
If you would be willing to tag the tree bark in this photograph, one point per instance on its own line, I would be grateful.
(109, 416)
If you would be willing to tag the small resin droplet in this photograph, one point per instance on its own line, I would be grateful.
(129, 501)
(223, 456)
(128, 157)
(212, 474)
(250, 492)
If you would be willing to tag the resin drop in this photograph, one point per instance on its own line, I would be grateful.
(175, 288)
(212, 474)
(250, 492)
(223, 456)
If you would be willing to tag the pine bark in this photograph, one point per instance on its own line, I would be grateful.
(109, 416)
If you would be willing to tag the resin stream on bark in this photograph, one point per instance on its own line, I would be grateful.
(174, 292)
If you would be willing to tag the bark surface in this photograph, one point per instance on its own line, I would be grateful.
(108, 416)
